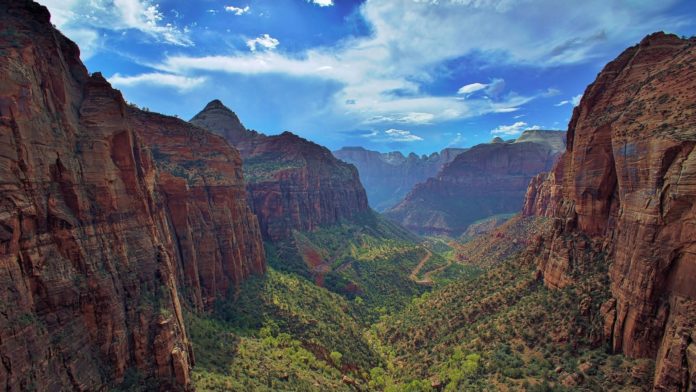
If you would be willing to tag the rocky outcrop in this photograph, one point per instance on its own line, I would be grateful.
(293, 184)
(625, 191)
(486, 180)
(388, 177)
(93, 258)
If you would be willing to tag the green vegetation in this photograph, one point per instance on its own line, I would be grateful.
(264, 361)
(369, 257)
(396, 313)
(505, 331)
(264, 166)
(322, 320)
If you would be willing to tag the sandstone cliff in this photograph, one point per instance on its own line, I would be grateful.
(486, 180)
(388, 177)
(95, 235)
(292, 182)
(624, 194)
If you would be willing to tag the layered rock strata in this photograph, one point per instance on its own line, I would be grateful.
(94, 253)
(293, 184)
(624, 193)
(486, 180)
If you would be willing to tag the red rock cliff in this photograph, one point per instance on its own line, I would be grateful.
(485, 180)
(292, 182)
(93, 244)
(626, 186)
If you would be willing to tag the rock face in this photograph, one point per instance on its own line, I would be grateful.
(93, 231)
(388, 177)
(292, 183)
(202, 187)
(625, 192)
(486, 180)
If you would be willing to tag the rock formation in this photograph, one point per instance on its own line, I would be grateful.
(486, 180)
(388, 177)
(624, 194)
(97, 238)
(292, 183)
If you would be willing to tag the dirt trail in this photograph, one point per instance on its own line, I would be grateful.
(427, 277)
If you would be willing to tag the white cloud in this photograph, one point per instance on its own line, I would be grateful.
(470, 88)
(322, 3)
(573, 101)
(400, 135)
(265, 41)
(238, 10)
(514, 129)
(393, 135)
(181, 83)
(82, 20)
(406, 49)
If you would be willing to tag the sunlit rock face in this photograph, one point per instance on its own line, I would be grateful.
(108, 217)
(293, 184)
(627, 182)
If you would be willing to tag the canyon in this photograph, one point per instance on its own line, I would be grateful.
(142, 252)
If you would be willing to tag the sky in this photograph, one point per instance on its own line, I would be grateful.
(407, 75)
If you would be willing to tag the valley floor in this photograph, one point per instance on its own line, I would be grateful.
(390, 312)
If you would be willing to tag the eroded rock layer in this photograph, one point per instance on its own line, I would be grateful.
(293, 184)
(624, 193)
(94, 253)
(486, 180)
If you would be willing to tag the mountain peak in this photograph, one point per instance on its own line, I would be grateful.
(221, 120)
(215, 104)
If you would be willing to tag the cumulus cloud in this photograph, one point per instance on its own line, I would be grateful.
(393, 135)
(178, 82)
(470, 88)
(237, 10)
(83, 19)
(573, 101)
(400, 135)
(322, 3)
(513, 129)
(492, 89)
(265, 41)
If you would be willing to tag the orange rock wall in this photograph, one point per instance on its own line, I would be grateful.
(628, 182)
(94, 253)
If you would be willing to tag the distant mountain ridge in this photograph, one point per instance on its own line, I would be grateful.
(388, 177)
(486, 180)
(292, 183)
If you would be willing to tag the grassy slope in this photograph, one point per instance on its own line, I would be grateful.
(367, 260)
(279, 335)
(486, 323)
(505, 331)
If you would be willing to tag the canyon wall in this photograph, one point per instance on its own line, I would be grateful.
(99, 242)
(624, 193)
(293, 184)
(486, 180)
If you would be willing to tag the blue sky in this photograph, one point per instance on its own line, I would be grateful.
(409, 75)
